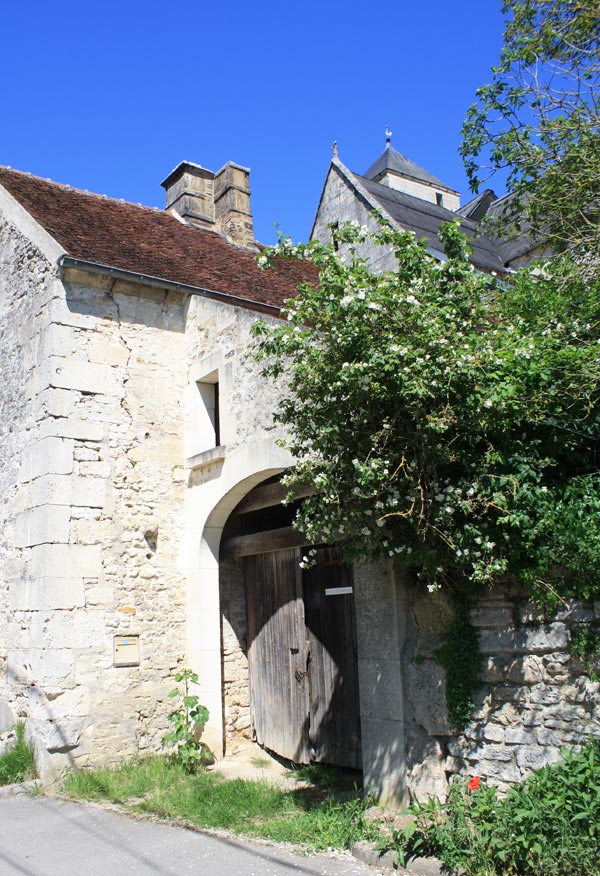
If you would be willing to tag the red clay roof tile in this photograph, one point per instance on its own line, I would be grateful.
(146, 240)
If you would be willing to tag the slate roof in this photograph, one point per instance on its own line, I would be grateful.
(391, 159)
(152, 242)
(478, 206)
(425, 218)
(521, 240)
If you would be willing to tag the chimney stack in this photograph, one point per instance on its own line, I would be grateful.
(218, 201)
(191, 193)
(232, 203)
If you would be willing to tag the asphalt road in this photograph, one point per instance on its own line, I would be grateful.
(40, 836)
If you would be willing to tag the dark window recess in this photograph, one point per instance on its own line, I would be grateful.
(439, 199)
(217, 416)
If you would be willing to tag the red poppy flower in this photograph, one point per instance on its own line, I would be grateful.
(473, 783)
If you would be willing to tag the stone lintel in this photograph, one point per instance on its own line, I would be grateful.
(68, 427)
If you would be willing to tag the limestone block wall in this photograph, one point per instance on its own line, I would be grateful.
(340, 203)
(26, 283)
(534, 698)
(451, 200)
(98, 517)
(218, 338)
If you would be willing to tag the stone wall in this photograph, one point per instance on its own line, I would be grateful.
(132, 344)
(218, 340)
(338, 200)
(234, 632)
(534, 700)
(93, 504)
(25, 281)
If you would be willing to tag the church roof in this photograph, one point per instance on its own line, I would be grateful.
(152, 242)
(391, 159)
(478, 206)
(425, 218)
(520, 241)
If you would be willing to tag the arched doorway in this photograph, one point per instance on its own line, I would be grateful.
(300, 633)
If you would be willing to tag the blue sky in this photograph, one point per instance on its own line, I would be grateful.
(111, 96)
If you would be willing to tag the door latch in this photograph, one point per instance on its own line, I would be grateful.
(299, 673)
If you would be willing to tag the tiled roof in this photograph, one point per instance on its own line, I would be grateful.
(152, 242)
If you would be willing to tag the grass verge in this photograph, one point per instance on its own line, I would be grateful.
(17, 764)
(255, 808)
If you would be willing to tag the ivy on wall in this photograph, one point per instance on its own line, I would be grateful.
(461, 660)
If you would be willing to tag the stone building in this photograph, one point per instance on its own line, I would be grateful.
(411, 198)
(142, 529)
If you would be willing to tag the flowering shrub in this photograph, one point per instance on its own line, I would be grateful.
(448, 420)
(549, 825)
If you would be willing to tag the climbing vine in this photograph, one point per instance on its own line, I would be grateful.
(584, 645)
(461, 660)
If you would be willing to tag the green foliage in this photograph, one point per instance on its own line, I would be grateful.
(584, 645)
(17, 764)
(259, 761)
(539, 120)
(549, 825)
(328, 824)
(159, 786)
(460, 657)
(324, 775)
(187, 720)
(448, 421)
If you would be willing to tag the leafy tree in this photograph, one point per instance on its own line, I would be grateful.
(539, 120)
(447, 420)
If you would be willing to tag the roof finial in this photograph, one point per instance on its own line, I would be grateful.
(388, 135)
(335, 149)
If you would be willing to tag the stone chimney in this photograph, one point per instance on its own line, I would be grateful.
(232, 203)
(191, 193)
(219, 201)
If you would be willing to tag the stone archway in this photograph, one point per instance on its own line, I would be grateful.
(379, 612)
(289, 636)
(208, 506)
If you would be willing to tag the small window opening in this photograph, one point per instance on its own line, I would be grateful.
(439, 199)
(209, 393)
(217, 416)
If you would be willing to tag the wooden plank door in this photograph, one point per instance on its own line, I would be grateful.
(277, 653)
(302, 657)
(334, 728)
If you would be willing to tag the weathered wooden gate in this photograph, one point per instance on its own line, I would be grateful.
(302, 656)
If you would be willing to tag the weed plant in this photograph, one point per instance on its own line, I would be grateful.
(548, 825)
(17, 764)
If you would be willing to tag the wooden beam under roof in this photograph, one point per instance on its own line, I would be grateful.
(267, 496)
(262, 543)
